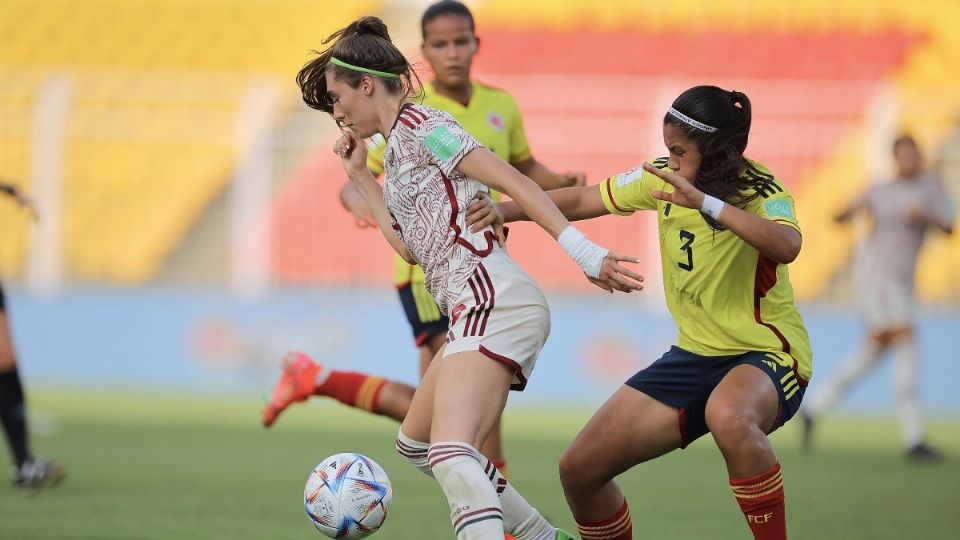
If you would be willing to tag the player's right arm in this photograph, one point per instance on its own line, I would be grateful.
(620, 194)
(353, 155)
(851, 209)
(575, 203)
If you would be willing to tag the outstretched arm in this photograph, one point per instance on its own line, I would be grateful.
(852, 208)
(547, 179)
(353, 154)
(575, 203)
(600, 265)
(775, 241)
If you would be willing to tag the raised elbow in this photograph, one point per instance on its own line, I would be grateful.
(786, 249)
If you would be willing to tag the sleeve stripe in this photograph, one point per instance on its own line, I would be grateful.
(612, 200)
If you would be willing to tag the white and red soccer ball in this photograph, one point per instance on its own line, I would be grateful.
(347, 496)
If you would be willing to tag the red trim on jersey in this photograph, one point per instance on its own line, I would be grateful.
(486, 314)
(406, 122)
(417, 112)
(610, 195)
(412, 117)
(512, 364)
(766, 279)
(454, 211)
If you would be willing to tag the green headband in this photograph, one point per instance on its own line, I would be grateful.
(384, 74)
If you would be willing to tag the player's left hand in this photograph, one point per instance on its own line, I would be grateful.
(352, 152)
(684, 193)
(483, 212)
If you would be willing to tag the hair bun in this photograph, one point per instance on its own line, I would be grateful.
(368, 25)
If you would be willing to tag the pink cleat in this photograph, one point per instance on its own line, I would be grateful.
(296, 385)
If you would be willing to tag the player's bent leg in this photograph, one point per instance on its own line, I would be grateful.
(13, 416)
(645, 429)
(471, 392)
(302, 378)
(741, 410)
(469, 396)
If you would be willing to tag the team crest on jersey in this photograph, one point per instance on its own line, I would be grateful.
(629, 177)
(496, 121)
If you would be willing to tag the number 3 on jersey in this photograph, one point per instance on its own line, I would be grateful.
(686, 237)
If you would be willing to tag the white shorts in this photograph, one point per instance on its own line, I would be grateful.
(503, 314)
(887, 305)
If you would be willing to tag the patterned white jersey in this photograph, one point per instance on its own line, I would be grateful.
(427, 198)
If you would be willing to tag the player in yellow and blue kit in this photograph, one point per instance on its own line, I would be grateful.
(490, 115)
(728, 228)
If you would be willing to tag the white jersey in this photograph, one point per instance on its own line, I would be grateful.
(427, 198)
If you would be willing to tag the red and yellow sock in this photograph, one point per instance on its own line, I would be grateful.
(615, 527)
(762, 502)
(354, 389)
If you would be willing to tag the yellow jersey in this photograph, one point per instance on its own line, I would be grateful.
(492, 117)
(725, 298)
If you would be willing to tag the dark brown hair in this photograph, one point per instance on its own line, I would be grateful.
(724, 172)
(365, 43)
(446, 7)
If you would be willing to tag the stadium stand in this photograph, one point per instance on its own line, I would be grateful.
(155, 90)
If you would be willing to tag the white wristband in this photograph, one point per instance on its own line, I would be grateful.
(711, 206)
(585, 253)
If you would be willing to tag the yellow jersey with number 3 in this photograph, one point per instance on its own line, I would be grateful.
(723, 295)
(492, 117)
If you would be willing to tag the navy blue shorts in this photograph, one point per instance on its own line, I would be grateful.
(3, 300)
(684, 380)
(422, 312)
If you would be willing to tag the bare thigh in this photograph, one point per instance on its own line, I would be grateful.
(416, 424)
(469, 395)
(630, 428)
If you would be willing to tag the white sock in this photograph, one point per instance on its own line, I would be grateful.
(906, 368)
(415, 452)
(474, 506)
(519, 518)
(852, 369)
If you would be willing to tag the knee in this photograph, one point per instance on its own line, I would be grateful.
(730, 425)
(576, 474)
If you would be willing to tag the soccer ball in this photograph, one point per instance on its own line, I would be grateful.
(347, 496)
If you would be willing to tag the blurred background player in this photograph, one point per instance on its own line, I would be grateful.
(499, 317)
(490, 115)
(728, 228)
(903, 211)
(28, 471)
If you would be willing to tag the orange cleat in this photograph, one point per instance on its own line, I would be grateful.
(296, 385)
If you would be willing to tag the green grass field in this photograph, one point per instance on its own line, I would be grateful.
(176, 467)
